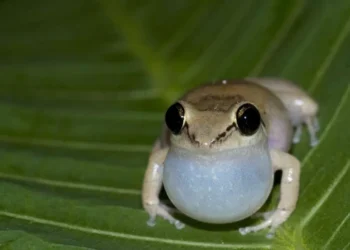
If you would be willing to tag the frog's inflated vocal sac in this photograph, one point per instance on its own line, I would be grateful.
(219, 149)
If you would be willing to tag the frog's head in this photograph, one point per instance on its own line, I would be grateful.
(208, 126)
(218, 149)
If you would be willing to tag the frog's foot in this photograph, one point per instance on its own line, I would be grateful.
(159, 209)
(312, 126)
(272, 219)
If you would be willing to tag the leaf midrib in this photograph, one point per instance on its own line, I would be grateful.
(138, 44)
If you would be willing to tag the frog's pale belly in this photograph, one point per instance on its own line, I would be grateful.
(220, 187)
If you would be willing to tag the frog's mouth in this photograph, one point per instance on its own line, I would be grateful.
(224, 141)
(220, 187)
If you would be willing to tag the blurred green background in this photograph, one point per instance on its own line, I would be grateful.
(84, 85)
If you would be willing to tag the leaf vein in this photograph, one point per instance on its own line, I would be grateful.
(329, 125)
(276, 41)
(303, 46)
(347, 246)
(336, 231)
(216, 44)
(80, 145)
(328, 60)
(323, 136)
(72, 185)
(325, 196)
(91, 96)
(90, 230)
(168, 48)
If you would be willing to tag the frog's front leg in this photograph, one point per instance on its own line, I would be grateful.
(152, 185)
(290, 167)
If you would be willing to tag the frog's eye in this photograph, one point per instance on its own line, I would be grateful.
(175, 118)
(248, 119)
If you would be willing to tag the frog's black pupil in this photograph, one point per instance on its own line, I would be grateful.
(174, 118)
(248, 119)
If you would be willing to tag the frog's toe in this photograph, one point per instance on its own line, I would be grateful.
(244, 230)
(179, 225)
(297, 134)
(263, 225)
(167, 214)
(296, 140)
(151, 222)
(170, 210)
(314, 142)
(273, 220)
(312, 126)
(316, 123)
(271, 233)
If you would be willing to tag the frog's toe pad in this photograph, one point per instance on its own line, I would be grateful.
(314, 142)
(296, 140)
(244, 230)
(265, 224)
(179, 225)
(270, 234)
(151, 222)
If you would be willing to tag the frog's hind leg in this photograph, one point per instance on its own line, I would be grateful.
(311, 122)
(312, 125)
(302, 109)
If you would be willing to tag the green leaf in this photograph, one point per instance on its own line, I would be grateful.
(84, 85)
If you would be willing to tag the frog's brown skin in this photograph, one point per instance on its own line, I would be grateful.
(210, 115)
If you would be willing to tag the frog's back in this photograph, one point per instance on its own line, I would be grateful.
(220, 96)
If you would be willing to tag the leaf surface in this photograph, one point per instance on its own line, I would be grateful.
(84, 85)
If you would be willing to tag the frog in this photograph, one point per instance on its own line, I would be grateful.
(219, 148)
